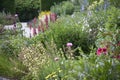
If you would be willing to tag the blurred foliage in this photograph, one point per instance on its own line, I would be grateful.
(87, 67)
(10, 67)
(62, 8)
(28, 9)
(6, 18)
(34, 57)
(7, 6)
(109, 35)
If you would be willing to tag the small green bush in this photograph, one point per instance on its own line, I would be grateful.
(62, 8)
(6, 18)
(10, 67)
(34, 57)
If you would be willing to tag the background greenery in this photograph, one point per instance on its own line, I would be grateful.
(7, 6)
(28, 9)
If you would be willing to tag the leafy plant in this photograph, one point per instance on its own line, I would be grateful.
(6, 18)
(108, 37)
(62, 8)
(34, 57)
(10, 67)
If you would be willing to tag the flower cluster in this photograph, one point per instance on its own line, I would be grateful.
(40, 24)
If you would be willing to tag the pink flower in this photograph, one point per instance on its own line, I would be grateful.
(104, 50)
(69, 44)
(101, 51)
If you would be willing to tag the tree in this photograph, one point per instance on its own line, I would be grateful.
(7, 6)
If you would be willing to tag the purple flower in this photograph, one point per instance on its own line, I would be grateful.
(69, 44)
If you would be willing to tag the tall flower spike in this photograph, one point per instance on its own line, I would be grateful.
(34, 31)
(53, 17)
(39, 28)
(46, 21)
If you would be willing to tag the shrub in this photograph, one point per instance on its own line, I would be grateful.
(108, 37)
(67, 30)
(10, 67)
(87, 67)
(34, 57)
(27, 10)
(62, 8)
(6, 18)
(12, 40)
(7, 6)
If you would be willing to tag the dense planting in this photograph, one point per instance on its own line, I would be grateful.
(68, 45)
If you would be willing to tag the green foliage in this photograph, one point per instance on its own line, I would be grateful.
(49, 4)
(113, 18)
(12, 40)
(9, 67)
(62, 8)
(115, 3)
(28, 9)
(67, 29)
(34, 57)
(6, 18)
(7, 6)
(109, 36)
(52, 67)
(91, 67)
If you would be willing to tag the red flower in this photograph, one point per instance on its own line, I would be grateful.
(104, 50)
(101, 51)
